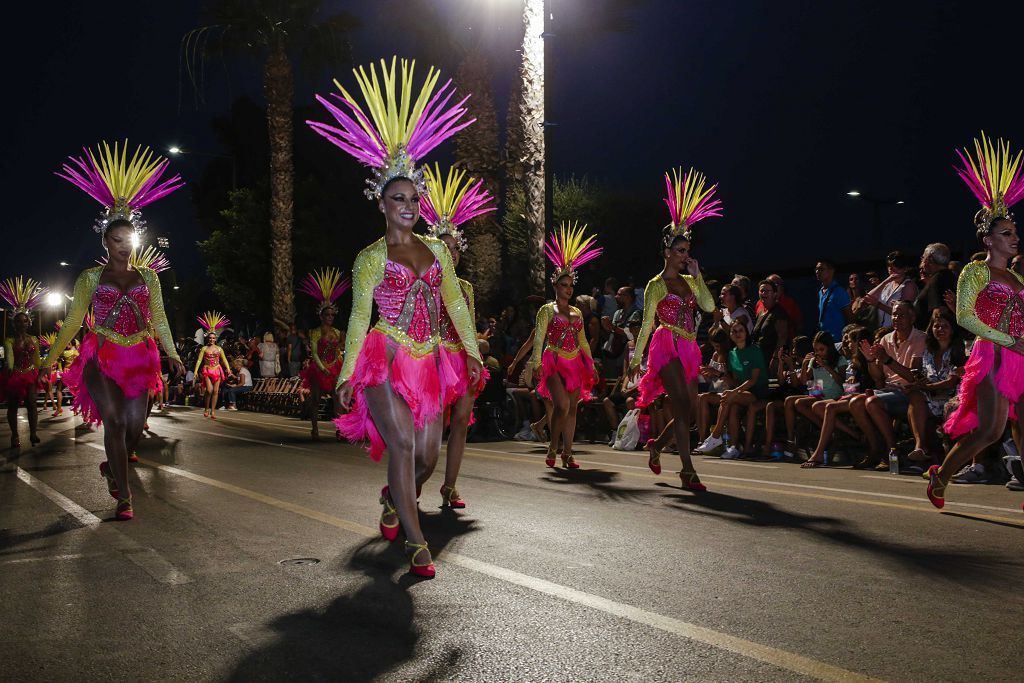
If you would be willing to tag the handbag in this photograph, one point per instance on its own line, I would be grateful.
(627, 436)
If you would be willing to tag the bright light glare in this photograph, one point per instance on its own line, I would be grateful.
(853, 193)
(901, 202)
(135, 240)
(177, 287)
(64, 263)
(174, 149)
(54, 299)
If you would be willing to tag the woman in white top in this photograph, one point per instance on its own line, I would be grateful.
(268, 356)
(732, 308)
(899, 286)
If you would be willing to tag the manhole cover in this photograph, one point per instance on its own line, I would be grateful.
(299, 561)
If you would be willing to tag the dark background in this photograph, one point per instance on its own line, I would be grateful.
(788, 105)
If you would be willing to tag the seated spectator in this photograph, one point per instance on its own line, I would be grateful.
(749, 375)
(822, 371)
(785, 366)
(772, 325)
(858, 381)
(898, 286)
(938, 281)
(716, 374)
(240, 384)
(731, 309)
(894, 359)
(942, 365)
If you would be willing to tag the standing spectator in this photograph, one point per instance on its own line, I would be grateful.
(269, 356)
(252, 356)
(853, 287)
(788, 303)
(591, 321)
(898, 286)
(295, 351)
(732, 309)
(894, 358)
(956, 267)
(240, 384)
(746, 286)
(833, 302)
(938, 279)
(614, 348)
(606, 299)
(873, 279)
(771, 329)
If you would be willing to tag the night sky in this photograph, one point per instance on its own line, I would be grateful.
(788, 105)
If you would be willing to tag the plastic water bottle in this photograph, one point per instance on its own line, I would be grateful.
(725, 440)
(894, 463)
(827, 459)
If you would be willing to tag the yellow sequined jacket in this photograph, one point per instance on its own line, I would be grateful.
(85, 287)
(368, 272)
(973, 279)
(540, 334)
(656, 290)
(314, 344)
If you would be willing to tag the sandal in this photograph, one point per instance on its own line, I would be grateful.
(426, 570)
(811, 464)
(450, 498)
(111, 482)
(936, 487)
(569, 462)
(549, 461)
(691, 481)
(388, 531)
(918, 455)
(654, 459)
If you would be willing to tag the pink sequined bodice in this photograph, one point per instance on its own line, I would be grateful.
(563, 333)
(125, 313)
(448, 332)
(211, 356)
(997, 306)
(677, 312)
(24, 355)
(327, 349)
(409, 302)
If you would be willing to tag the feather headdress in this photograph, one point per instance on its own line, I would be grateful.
(398, 132)
(568, 249)
(326, 286)
(450, 202)
(122, 185)
(47, 340)
(23, 294)
(688, 202)
(149, 257)
(90, 319)
(994, 176)
(212, 321)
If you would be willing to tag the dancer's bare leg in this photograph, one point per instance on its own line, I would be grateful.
(457, 429)
(121, 417)
(12, 420)
(682, 408)
(993, 409)
(559, 410)
(314, 409)
(33, 414)
(213, 398)
(426, 449)
(569, 424)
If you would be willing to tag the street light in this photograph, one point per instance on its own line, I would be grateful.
(876, 211)
(64, 264)
(54, 299)
(177, 151)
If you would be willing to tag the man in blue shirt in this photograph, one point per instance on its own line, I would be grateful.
(833, 301)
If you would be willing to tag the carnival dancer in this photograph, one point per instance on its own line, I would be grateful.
(213, 361)
(118, 362)
(561, 359)
(449, 203)
(20, 377)
(671, 298)
(990, 304)
(325, 341)
(390, 376)
(49, 378)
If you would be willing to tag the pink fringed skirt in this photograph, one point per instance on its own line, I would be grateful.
(14, 386)
(418, 381)
(1009, 380)
(214, 374)
(135, 369)
(455, 377)
(664, 347)
(312, 376)
(577, 373)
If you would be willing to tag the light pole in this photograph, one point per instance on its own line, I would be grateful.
(178, 151)
(876, 213)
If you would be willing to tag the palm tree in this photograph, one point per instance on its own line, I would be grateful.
(530, 140)
(275, 32)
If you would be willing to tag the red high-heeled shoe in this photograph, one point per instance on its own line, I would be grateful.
(936, 489)
(133, 457)
(691, 481)
(427, 571)
(388, 531)
(569, 462)
(124, 509)
(654, 459)
(450, 498)
(111, 482)
(550, 460)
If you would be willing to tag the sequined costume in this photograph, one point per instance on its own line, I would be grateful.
(121, 341)
(454, 364)
(327, 359)
(21, 369)
(675, 335)
(994, 312)
(212, 359)
(560, 347)
(402, 347)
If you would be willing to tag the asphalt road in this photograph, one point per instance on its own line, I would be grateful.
(607, 573)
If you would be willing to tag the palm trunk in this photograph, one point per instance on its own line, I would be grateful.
(278, 91)
(532, 117)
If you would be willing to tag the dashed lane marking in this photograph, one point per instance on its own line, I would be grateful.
(147, 559)
(780, 658)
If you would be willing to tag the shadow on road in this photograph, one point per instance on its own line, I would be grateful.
(9, 540)
(601, 482)
(365, 634)
(975, 568)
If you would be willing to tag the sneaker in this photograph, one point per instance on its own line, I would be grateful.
(1014, 484)
(710, 444)
(731, 453)
(525, 434)
(1010, 448)
(974, 474)
(235, 408)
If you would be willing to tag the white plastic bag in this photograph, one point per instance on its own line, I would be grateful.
(628, 434)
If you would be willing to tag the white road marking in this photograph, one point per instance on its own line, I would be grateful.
(256, 636)
(149, 560)
(51, 558)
